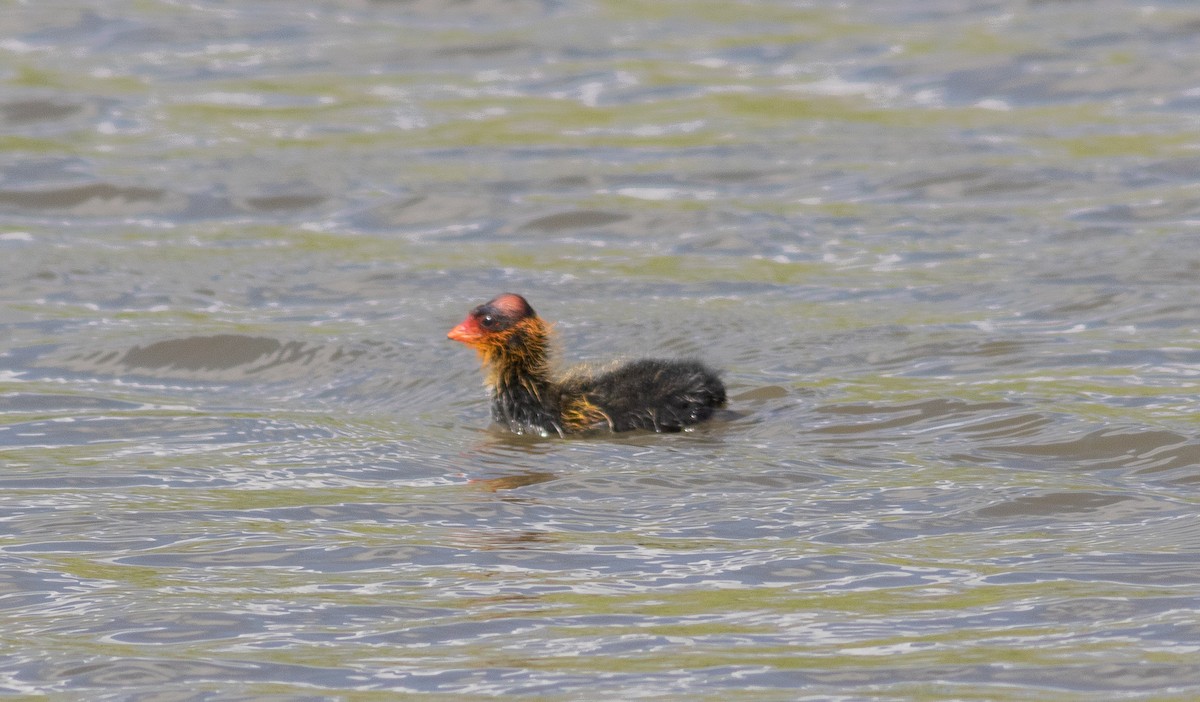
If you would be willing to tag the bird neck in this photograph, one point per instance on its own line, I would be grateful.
(520, 361)
(524, 396)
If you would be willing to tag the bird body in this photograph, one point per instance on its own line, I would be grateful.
(513, 345)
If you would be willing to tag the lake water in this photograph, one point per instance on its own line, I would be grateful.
(944, 253)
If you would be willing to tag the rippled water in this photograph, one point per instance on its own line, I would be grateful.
(943, 251)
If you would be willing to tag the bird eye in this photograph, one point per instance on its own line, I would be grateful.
(488, 321)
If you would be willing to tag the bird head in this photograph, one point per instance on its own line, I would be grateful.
(494, 322)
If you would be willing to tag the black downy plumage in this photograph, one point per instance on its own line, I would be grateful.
(652, 394)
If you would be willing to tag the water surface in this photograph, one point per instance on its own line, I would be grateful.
(943, 252)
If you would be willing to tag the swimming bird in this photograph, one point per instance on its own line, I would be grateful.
(529, 398)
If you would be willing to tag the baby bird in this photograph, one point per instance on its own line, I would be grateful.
(513, 344)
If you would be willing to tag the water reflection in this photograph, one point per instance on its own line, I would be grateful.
(512, 482)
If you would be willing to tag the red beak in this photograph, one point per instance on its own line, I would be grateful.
(468, 331)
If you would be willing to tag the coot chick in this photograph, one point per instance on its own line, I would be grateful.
(513, 344)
